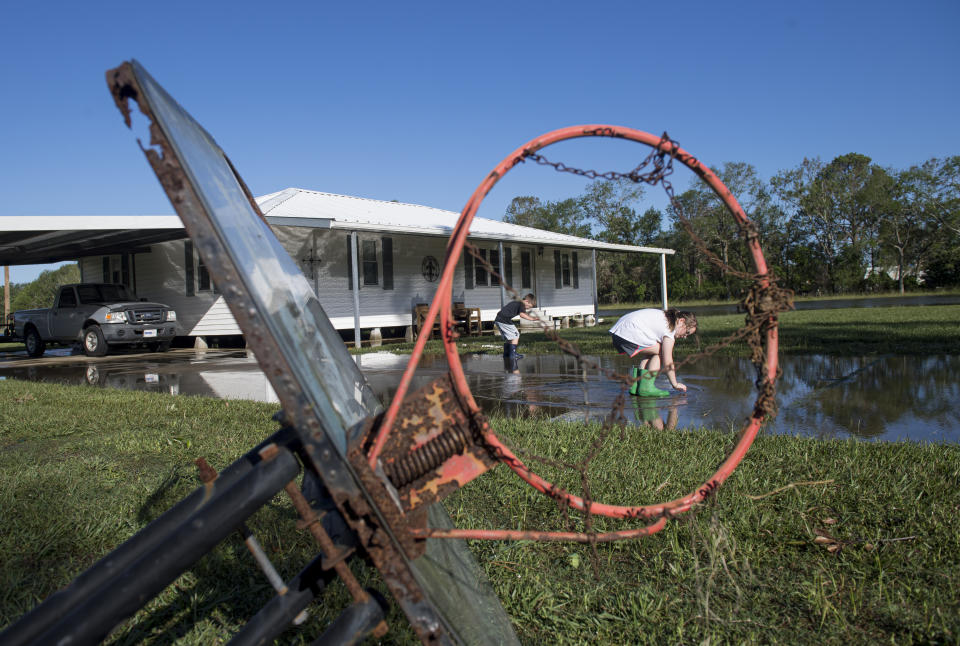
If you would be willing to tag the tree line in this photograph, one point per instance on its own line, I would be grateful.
(41, 291)
(841, 227)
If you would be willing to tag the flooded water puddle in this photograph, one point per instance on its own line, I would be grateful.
(883, 398)
(224, 374)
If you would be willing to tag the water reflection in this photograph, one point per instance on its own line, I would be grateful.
(885, 398)
(231, 374)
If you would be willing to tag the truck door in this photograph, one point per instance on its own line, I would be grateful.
(65, 317)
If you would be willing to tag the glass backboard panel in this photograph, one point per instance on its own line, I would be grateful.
(324, 379)
(286, 304)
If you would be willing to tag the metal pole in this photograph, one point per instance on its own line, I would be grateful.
(150, 538)
(6, 292)
(596, 298)
(663, 278)
(503, 275)
(356, 289)
(283, 609)
(92, 620)
(313, 266)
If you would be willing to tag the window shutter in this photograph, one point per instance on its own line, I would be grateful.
(106, 269)
(188, 266)
(467, 270)
(480, 277)
(576, 271)
(557, 270)
(508, 266)
(349, 262)
(125, 269)
(387, 250)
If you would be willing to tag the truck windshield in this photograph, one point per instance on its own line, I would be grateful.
(103, 293)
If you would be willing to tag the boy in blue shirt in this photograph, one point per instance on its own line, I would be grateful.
(509, 331)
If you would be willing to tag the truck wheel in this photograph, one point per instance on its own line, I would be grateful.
(35, 345)
(94, 345)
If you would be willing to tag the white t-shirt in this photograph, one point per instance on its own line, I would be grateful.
(643, 327)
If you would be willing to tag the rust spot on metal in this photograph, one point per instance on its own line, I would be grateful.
(436, 446)
(269, 452)
(337, 562)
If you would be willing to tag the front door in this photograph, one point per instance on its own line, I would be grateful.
(67, 318)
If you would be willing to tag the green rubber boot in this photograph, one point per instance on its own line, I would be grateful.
(646, 387)
(635, 373)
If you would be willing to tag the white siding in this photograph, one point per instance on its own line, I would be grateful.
(322, 256)
(567, 300)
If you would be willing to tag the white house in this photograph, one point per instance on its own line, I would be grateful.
(399, 250)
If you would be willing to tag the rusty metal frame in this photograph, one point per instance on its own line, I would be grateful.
(379, 523)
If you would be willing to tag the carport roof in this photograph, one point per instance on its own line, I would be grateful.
(31, 240)
(39, 239)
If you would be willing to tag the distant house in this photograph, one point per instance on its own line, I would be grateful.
(893, 273)
(399, 250)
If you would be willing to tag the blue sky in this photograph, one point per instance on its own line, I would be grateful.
(417, 101)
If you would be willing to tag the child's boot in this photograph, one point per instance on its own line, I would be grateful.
(507, 350)
(635, 386)
(647, 387)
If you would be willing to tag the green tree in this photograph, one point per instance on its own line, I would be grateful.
(41, 292)
(910, 228)
(563, 216)
(838, 207)
(935, 194)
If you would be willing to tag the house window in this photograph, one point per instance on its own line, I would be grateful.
(526, 270)
(116, 269)
(562, 271)
(369, 265)
(196, 276)
(203, 276)
(370, 269)
(480, 276)
(475, 271)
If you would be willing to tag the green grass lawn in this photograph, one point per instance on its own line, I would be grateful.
(82, 469)
(931, 329)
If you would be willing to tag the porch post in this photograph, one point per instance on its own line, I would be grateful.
(596, 298)
(663, 278)
(503, 275)
(356, 289)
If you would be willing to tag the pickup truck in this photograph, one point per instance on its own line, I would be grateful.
(98, 316)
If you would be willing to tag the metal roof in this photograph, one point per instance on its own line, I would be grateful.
(30, 240)
(297, 207)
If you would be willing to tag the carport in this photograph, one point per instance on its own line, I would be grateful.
(36, 240)
(43, 239)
